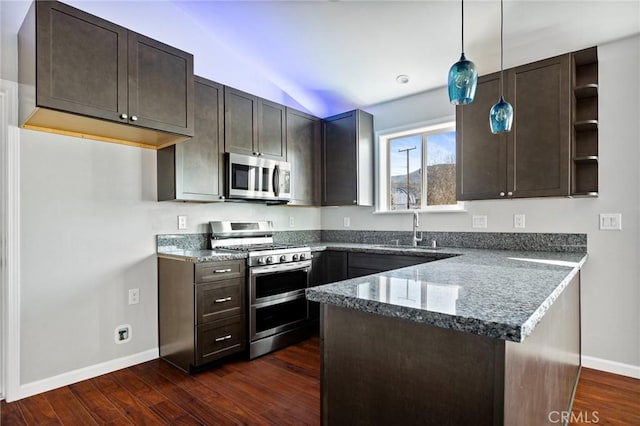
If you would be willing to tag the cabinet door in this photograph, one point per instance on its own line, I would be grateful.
(194, 170)
(335, 266)
(481, 155)
(272, 131)
(539, 141)
(339, 160)
(303, 152)
(160, 86)
(240, 122)
(81, 62)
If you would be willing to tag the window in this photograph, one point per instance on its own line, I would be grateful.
(417, 169)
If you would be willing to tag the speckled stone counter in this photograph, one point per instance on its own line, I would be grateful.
(199, 256)
(496, 293)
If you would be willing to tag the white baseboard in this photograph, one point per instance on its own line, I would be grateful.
(81, 374)
(611, 366)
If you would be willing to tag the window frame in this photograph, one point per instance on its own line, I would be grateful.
(383, 165)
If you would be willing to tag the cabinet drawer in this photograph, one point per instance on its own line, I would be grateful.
(219, 299)
(383, 262)
(216, 271)
(218, 339)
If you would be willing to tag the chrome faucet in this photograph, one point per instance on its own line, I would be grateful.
(416, 222)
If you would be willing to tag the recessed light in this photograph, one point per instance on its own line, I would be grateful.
(402, 79)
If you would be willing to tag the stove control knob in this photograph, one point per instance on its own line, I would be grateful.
(283, 258)
(303, 256)
(261, 261)
(294, 257)
(269, 259)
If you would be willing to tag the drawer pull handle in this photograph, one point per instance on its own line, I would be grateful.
(223, 338)
(226, 299)
(221, 271)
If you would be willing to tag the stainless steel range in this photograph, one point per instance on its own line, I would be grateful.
(278, 275)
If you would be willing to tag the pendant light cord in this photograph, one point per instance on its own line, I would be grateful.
(501, 49)
(462, 27)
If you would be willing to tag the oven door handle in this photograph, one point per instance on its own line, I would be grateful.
(279, 267)
(287, 297)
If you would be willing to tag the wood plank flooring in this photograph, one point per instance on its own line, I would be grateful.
(282, 388)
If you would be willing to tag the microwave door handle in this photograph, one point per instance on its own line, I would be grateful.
(276, 180)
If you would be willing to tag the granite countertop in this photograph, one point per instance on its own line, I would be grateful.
(200, 256)
(496, 293)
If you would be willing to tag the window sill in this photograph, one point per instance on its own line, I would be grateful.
(443, 209)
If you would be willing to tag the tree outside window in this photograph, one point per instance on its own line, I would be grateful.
(408, 157)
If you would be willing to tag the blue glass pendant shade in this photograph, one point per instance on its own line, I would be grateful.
(501, 116)
(463, 80)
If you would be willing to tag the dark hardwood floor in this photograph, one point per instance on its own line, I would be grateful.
(282, 388)
(606, 399)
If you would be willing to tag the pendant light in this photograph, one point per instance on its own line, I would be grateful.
(463, 77)
(501, 115)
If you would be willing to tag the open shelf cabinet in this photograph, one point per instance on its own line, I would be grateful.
(584, 144)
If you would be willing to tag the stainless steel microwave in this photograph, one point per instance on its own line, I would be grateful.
(257, 178)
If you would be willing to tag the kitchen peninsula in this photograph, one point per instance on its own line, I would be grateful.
(485, 337)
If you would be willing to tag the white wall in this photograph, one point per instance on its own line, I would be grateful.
(611, 278)
(89, 220)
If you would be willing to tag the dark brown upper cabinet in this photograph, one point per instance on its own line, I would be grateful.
(194, 170)
(84, 76)
(254, 126)
(347, 159)
(303, 152)
(272, 131)
(532, 160)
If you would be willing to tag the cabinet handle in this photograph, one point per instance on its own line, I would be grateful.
(509, 193)
(255, 153)
(124, 116)
(134, 118)
(502, 194)
(259, 154)
(221, 271)
(226, 299)
(222, 197)
(355, 201)
(223, 338)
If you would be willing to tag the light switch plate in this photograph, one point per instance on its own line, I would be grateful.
(346, 221)
(291, 222)
(610, 221)
(518, 221)
(479, 221)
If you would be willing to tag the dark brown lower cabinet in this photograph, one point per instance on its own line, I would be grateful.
(361, 264)
(201, 313)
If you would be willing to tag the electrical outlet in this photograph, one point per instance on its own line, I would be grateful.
(291, 222)
(610, 221)
(134, 296)
(122, 334)
(346, 221)
(182, 222)
(518, 221)
(479, 221)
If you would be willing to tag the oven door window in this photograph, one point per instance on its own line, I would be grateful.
(279, 284)
(267, 174)
(274, 317)
(244, 177)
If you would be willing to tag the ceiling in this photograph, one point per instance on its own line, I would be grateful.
(330, 57)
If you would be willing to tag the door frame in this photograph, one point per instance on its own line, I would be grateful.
(9, 242)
